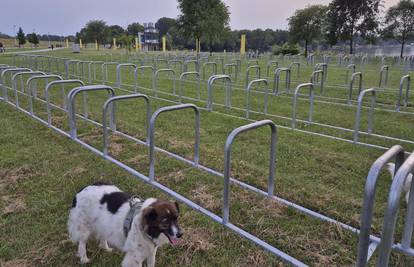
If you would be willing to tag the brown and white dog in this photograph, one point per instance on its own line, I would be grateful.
(115, 219)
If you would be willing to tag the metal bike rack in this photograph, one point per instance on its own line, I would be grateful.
(220, 59)
(311, 100)
(155, 80)
(351, 85)
(366, 246)
(152, 134)
(109, 104)
(248, 70)
(238, 64)
(2, 79)
(182, 78)
(383, 76)
(14, 83)
(142, 69)
(228, 70)
(210, 83)
(324, 67)
(315, 78)
(407, 80)
(68, 63)
(188, 62)
(64, 99)
(92, 66)
(266, 83)
(311, 59)
(32, 93)
(118, 72)
(253, 62)
(227, 161)
(71, 105)
(157, 61)
(276, 80)
(371, 112)
(104, 69)
(391, 212)
(205, 65)
(271, 65)
(297, 64)
(174, 62)
(350, 66)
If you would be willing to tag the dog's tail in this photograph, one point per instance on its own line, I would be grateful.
(391, 169)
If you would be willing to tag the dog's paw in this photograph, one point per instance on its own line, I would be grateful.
(104, 245)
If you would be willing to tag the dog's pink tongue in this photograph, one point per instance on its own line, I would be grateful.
(175, 241)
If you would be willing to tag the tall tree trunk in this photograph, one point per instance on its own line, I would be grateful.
(351, 45)
(306, 48)
(402, 48)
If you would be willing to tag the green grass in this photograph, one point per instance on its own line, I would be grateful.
(43, 170)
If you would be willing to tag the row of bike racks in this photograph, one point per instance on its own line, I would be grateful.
(367, 243)
(318, 75)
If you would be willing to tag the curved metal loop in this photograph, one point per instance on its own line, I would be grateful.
(371, 112)
(391, 212)
(210, 83)
(276, 80)
(350, 66)
(47, 96)
(398, 153)
(108, 105)
(104, 70)
(311, 100)
(383, 76)
(71, 104)
(2, 80)
(266, 83)
(211, 63)
(227, 161)
(152, 134)
(249, 69)
(228, 69)
(118, 72)
(270, 64)
(297, 64)
(182, 76)
(191, 61)
(351, 85)
(155, 80)
(406, 79)
(315, 78)
(32, 93)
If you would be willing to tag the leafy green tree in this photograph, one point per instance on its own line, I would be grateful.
(346, 18)
(307, 24)
(204, 20)
(33, 39)
(126, 41)
(134, 28)
(399, 22)
(20, 37)
(114, 31)
(163, 25)
(95, 30)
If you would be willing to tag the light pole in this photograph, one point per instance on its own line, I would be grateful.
(15, 35)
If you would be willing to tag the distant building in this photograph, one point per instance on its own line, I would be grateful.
(150, 38)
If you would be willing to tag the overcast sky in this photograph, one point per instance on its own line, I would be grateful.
(69, 16)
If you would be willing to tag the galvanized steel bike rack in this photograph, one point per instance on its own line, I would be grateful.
(350, 66)
(276, 80)
(32, 93)
(271, 65)
(104, 70)
(109, 105)
(155, 80)
(311, 100)
(407, 80)
(182, 78)
(297, 64)
(73, 63)
(383, 80)
(118, 72)
(249, 87)
(370, 115)
(205, 65)
(366, 246)
(228, 69)
(152, 134)
(248, 70)
(315, 79)
(188, 62)
(2, 79)
(210, 83)
(64, 99)
(71, 105)
(351, 85)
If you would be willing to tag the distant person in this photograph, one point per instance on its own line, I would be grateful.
(1, 48)
(51, 46)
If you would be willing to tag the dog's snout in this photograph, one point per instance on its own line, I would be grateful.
(179, 234)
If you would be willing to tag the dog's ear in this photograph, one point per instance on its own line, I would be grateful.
(151, 214)
(176, 205)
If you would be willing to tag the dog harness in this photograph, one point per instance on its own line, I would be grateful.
(135, 205)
